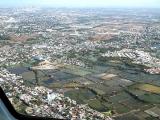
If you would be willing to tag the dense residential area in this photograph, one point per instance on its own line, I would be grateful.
(81, 64)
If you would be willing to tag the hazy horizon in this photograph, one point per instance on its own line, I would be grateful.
(82, 3)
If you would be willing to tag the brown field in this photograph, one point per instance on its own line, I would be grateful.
(101, 37)
(72, 85)
(107, 76)
(22, 37)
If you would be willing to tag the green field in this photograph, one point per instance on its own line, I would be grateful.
(149, 88)
(97, 105)
(80, 95)
(78, 70)
(145, 92)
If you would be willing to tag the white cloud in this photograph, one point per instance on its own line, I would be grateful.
(84, 3)
(130, 3)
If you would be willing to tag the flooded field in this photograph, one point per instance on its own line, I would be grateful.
(18, 70)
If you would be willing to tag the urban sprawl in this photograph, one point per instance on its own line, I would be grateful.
(81, 64)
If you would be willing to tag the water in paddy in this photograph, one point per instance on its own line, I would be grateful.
(62, 76)
(49, 81)
(18, 70)
(156, 45)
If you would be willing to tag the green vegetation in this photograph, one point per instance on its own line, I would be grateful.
(4, 37)
(81, 95)
(97, 90)
(97, 105)
(149, 88)
(72, 85)
(151, 98)
(119, 108)
(120, 97)
(109, 113)
(145, 92)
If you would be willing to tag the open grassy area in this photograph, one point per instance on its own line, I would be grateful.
(55, 85)
(28, 75)
(72, 85)
(77, 70)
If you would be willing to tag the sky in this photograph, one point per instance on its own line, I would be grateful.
(81, 3)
